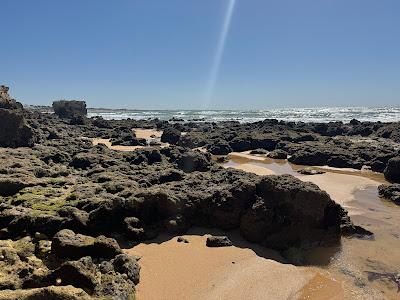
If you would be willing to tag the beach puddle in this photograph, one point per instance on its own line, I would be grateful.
(368, 269)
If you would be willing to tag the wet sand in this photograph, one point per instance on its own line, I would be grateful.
(172, 270)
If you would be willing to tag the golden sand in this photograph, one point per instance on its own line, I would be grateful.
(148, 134)
(172, 270)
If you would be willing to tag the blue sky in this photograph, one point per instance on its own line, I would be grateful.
(156, 54)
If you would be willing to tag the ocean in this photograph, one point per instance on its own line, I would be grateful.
(320, 114)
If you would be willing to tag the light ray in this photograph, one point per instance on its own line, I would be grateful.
(212, 80)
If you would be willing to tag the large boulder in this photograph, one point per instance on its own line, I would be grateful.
(220, 147)
(68, 244)
(290, 213)
(194, 161)
(70, 109)
(392, 170)
(6, 101)
(170, 135)
(14, 132)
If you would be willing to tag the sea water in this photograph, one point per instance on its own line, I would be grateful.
(319, 114)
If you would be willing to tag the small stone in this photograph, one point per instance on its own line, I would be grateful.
(182, 240)
(218, 241)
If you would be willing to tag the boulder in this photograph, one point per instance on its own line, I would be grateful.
(390, 192)
(220, 147)
(193, 161)
(69, 109)
(67, 244)
(6, 101)
(170, 135)
(277, 154)
(14, 132)
(80, 274)
(11, 186)
(392, 170)
(128, 265)
(218, 241)
(310, 171)
(289, 212)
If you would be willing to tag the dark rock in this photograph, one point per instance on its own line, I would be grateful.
(288, 211)
(69, 108)
(11, 186)
(309, 157)
(170, 135)
(218, 241)
(128, 265)
(194, 161)
(83, 161)
(181, 239)
(392, 170)
(390, 192)
(219, 148)
(81, 274)
(68, 244)
(310, 171)
(277, 154)
(101, 123)
(14, 132)
(351, 230)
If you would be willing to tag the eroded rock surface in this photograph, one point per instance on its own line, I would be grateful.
(70, 109)
(14, 132)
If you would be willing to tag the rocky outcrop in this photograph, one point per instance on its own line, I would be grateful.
(218, 241)
(14, 132)
(6, 101)
(68, 244)
(277, 154)
(390, 192)
(392, 170)
(194, 161)
(221, 147)
(170, 135)
(70, 109)
(290, 213)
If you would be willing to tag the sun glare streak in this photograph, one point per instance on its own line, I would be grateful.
(212, 80)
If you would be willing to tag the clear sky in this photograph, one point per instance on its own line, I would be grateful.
(171, 54)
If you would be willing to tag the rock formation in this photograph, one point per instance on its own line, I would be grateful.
(6, 101)
(70, 109)
(14, 132)
(392, 170)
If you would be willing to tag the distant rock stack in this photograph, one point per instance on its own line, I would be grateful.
(70, 109)
(6, 101)
(14, 132)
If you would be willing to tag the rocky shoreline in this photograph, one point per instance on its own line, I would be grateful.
(67, 206)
